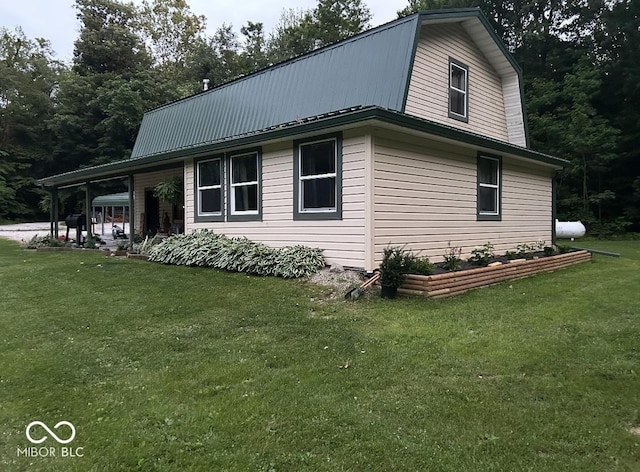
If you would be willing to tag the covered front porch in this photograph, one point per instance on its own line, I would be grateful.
(151, 208)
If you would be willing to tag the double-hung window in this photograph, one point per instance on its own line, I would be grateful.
(209, 189)
(318, 178)
(458, 91)
(489, 187)
(228, 187)
(244, 185)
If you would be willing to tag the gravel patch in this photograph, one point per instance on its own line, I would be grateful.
(340, 280)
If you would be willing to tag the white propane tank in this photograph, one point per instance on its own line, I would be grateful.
(569, 229)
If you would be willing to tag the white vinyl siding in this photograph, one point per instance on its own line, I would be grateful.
(342, 240)
(425, 197)
(428, 95)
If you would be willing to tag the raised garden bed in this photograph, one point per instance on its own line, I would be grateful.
(454, 283)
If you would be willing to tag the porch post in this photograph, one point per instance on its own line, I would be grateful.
(132, 213)
(51, 229)
(56, 211)
(87, 207)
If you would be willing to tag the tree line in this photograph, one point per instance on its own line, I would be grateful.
(580, 59)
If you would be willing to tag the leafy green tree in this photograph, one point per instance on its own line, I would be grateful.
(254, 54)
(109, 41)
(28, 82)
(293, 35)
(299, 32)
(217, 58)
(618, 48)
(171, 29)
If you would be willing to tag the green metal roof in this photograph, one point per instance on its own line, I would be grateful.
(115, 199)
(365, 77)
(370, 69)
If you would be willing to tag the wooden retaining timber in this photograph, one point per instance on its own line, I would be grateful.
(454, 283)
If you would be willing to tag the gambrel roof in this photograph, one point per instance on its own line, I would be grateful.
(369, 69)
(365, 77)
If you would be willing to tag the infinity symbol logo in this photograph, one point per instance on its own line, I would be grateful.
(53, 435)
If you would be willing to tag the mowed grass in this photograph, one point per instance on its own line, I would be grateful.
(170, 368)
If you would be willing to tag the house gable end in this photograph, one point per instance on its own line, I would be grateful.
(494, 80)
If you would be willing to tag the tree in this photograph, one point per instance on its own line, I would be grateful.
(618, 47)
(299, 32)
(171, 30)
(28, 80)
(109, 41)
(254, 56)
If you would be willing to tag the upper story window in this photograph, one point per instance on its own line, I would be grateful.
(489, 187)
(458, 91)
(318, 178)
(209, 188)
(244, 189)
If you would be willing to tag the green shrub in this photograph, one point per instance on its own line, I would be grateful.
(481, 256)
(452, 258)
(44, 241)
(420, 266)
(207, 249)
(394, 266)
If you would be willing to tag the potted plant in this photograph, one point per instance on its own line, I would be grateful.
(392, 271)
(169, 190)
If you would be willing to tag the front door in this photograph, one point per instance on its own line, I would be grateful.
(151, 212)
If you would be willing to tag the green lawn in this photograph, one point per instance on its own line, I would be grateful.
(170, 368)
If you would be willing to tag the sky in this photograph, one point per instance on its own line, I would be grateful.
(55, 20)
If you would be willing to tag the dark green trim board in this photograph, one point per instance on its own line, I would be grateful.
(245, 217)
(485, 217)
(317, 215)
(196, 193)
(412, 60)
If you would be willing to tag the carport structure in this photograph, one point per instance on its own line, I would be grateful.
(113, 201)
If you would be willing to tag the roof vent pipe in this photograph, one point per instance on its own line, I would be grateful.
(205, 84)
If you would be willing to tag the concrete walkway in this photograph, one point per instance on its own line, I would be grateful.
(23, 232)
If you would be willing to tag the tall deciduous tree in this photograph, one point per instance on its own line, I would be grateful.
(299, 32)
(171, 29)
(28, 80)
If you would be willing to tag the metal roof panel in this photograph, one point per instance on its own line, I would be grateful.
(370, 69)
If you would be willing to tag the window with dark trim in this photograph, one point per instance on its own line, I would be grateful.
(489, 187)
(244, 184)
(209, 182)
(234, 177)
(458, 91)
(318, 178)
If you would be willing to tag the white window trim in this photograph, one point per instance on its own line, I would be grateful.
(210, 187)
(464, 92)
(496, 187)
(233, 186)
(302, 178)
